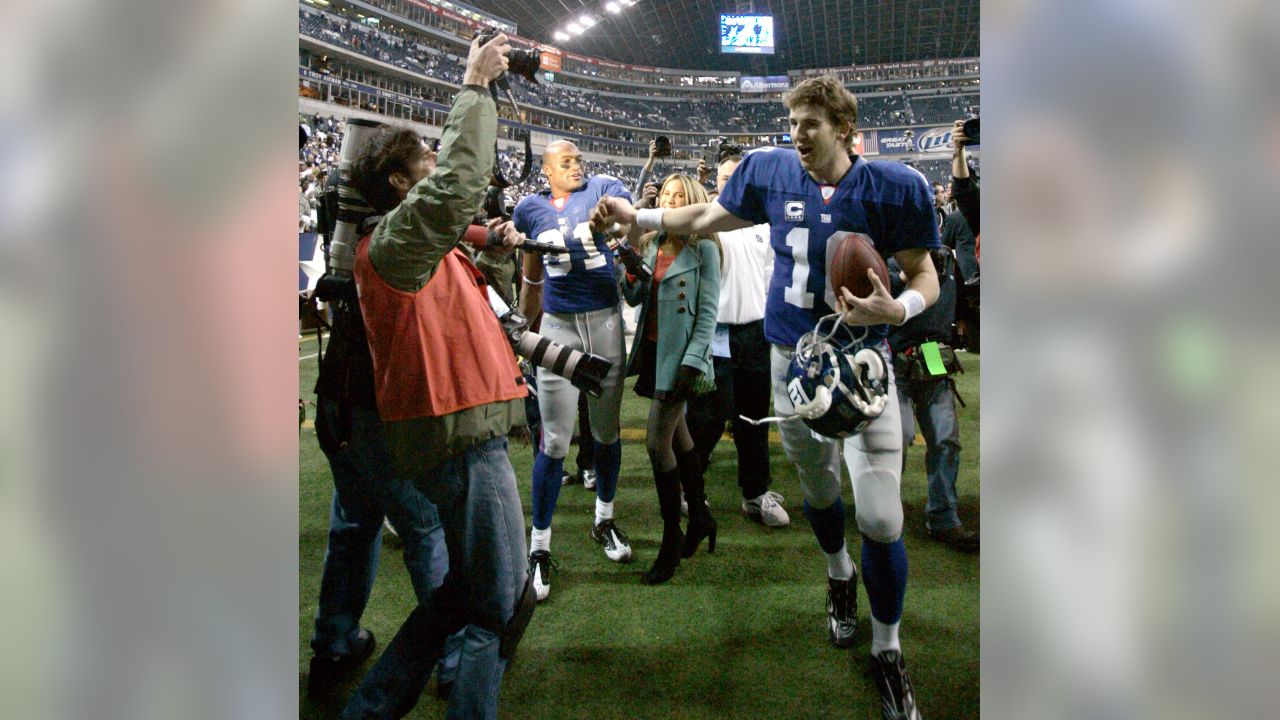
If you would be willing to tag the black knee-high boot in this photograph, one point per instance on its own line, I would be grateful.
(668, 484)
(701, 524)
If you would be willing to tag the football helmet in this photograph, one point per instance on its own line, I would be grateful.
(837, 389)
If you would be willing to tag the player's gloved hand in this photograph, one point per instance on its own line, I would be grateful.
(631, 259)
(503, 237)
(687, 380)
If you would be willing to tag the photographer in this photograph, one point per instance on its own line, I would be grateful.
(448, 390)
(964, 186)
(647, 190)
(961, 232)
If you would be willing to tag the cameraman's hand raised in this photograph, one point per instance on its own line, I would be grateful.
(486, 62)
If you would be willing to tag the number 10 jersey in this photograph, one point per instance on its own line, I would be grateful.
(888, 203)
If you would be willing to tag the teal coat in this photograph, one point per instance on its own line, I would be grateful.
(688, 300)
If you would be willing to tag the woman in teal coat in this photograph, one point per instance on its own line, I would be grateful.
(671, 354)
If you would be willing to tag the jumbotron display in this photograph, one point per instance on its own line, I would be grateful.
(746, 34)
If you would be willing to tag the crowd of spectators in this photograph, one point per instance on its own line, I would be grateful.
(939, 170)
(722, 112)
(435, 58)
(317, 163)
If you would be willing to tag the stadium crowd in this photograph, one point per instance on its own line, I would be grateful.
(435, 59)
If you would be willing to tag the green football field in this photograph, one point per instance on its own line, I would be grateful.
(738, 634)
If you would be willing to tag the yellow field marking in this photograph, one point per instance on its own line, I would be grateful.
(640, 434)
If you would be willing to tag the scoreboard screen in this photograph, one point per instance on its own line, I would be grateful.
(746, 34)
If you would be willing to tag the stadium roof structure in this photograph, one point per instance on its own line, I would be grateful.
(809, 33)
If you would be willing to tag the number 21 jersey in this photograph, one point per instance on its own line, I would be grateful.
(582, 279)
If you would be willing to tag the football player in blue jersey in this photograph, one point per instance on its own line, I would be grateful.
(577, 295)
(812, 197)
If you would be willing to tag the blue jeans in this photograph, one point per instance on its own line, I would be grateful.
(933, 405)
(479, 507)
(364, 490)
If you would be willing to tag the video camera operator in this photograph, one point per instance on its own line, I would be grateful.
(448, 390)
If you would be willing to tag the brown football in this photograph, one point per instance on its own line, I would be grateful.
(849, 266)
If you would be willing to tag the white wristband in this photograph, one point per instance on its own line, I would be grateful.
(913, 302)
(649, 219)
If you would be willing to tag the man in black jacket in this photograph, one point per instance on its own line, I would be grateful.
(930, 399)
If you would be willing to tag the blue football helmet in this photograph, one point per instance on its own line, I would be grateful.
(837, 390)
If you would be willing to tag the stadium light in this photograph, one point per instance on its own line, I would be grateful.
(562, 35)
(613, 7)
(575, 28)
(586, 21)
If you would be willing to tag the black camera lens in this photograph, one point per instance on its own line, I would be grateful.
(972, 130)
(524, 63)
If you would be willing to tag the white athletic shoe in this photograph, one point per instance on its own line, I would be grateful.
(616, 547)
(767, 509)
(588, 478)
(541, 563)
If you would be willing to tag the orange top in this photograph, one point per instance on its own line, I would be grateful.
(661, 264)
(438, 350)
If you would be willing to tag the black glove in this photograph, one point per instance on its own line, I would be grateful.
(632, 261)
(686, 380)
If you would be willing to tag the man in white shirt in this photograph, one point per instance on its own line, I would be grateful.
(741, 357)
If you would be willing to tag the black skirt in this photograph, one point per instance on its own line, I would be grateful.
(646, 365)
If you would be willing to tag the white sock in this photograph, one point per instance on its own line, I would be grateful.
(540, 539)
(884, 637)
(604, 510)
(839, 564)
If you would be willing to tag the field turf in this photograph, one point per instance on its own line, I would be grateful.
(737, 634)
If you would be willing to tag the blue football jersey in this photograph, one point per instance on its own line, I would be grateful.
(887, 202)
(583, 279)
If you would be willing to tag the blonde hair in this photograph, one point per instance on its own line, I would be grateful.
(828, 94)
(693, 193)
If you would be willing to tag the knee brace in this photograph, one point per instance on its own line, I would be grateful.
(883, 527)
(554, 446)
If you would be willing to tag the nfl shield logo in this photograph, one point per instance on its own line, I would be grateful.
(794, 211)
(827, 192)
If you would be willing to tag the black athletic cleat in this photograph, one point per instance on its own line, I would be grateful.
(842, 610)
(540, 566)
(897, 698)
(616, 547)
